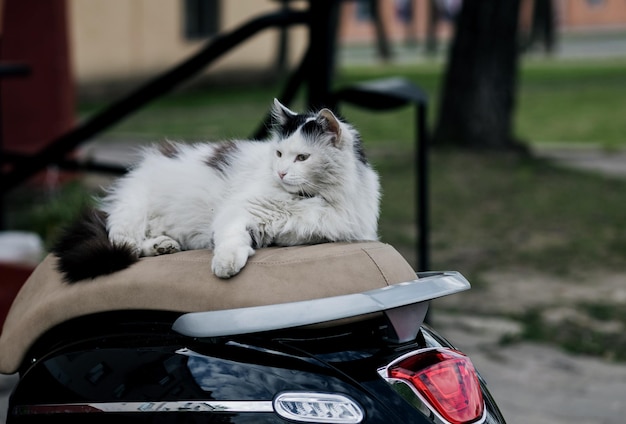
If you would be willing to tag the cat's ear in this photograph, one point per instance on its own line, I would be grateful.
(331, 125)
(281, 113)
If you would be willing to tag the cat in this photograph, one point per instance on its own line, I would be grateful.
(309, 182)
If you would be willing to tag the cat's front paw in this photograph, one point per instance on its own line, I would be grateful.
(161, 245)
(228, 261)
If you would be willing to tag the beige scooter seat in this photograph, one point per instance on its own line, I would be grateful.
(183, 282)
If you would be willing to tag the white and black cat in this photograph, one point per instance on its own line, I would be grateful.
(308, 183)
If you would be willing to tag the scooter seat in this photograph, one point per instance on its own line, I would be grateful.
(183, 282)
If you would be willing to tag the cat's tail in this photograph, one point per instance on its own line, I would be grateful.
(84, 250)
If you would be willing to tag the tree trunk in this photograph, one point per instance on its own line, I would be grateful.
(479, 89)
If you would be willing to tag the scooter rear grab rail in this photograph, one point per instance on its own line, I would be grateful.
(404, 304)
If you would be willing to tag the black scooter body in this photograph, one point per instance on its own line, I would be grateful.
(135, 363)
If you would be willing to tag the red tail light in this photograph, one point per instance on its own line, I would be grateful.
(445, 380)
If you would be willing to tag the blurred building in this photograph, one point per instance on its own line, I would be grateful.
(416, 20)
(127, 41)
(591, 15)
(113, 41)
(116, 42)
(402, 20)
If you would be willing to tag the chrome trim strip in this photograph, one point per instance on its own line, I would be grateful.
(138, 407)
(295, 314)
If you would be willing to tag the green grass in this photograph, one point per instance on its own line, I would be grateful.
(213, 113)
(573, 102)
(590, 329)
(562, 102)
(45, 210)
(494, 211)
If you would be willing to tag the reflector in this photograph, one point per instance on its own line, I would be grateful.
(445, 379)
(318, 408)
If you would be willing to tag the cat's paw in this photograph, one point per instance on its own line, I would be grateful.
(161, 245)
(228, 261)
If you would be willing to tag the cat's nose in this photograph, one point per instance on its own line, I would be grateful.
(281, 174)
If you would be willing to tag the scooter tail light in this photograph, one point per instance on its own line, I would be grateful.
(445, 380)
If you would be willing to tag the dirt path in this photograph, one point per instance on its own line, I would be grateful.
(593, 159)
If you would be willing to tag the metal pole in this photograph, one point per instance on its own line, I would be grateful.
(322, 33)
(422, 198)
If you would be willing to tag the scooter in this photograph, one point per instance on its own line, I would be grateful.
(331, 333)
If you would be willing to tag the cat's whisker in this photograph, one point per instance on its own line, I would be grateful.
(315, 188)
(312, 185)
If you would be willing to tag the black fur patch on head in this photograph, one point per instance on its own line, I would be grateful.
(312, 130)
(169, 150)
(221, 158)
(291, 125)
(85, 252)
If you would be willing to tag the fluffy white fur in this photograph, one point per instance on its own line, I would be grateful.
(285, 191)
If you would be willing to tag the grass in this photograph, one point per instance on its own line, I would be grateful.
(488, 211)
(573, 103)
(566, 102)
(45, 210)
(590, 329)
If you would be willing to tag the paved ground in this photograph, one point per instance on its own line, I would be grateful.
(612, 163)
(571, 46)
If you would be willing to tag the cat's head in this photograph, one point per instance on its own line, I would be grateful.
(313, 150)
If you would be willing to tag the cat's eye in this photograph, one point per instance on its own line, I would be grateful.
(279, 153)
(302, 157)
